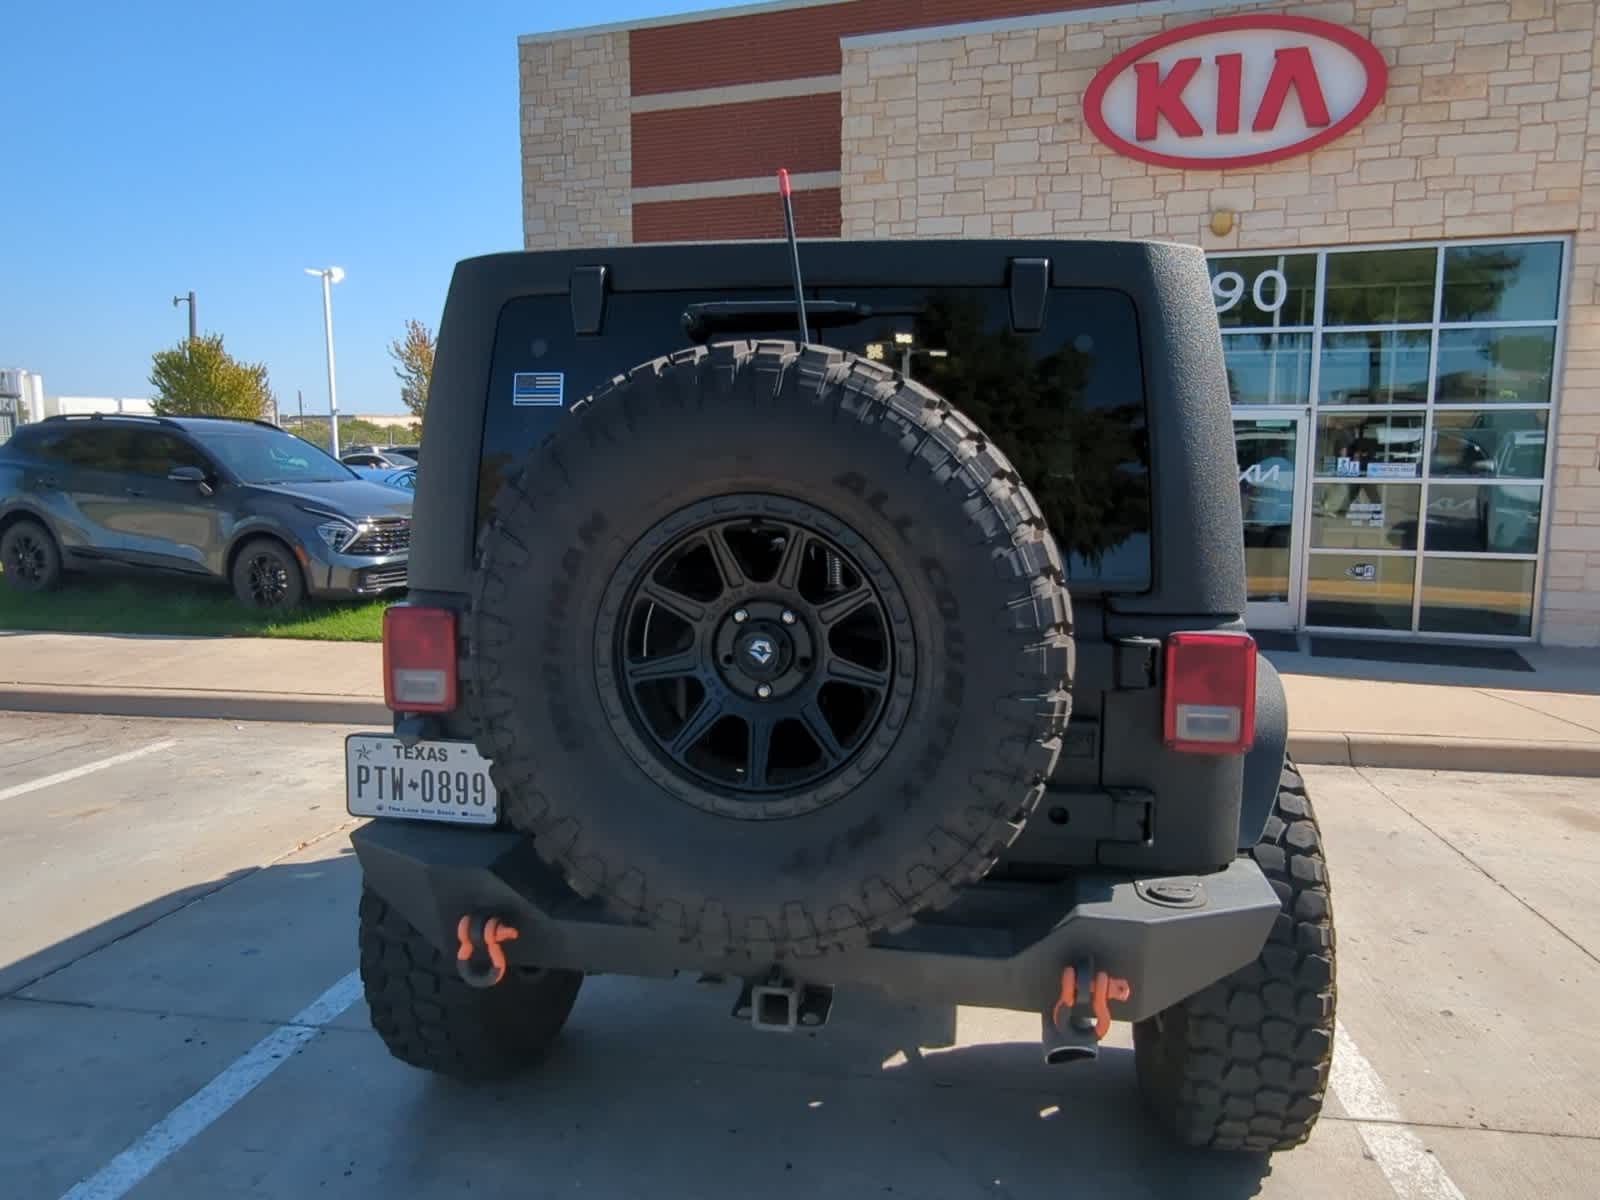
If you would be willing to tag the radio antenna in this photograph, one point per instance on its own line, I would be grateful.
(785, 190)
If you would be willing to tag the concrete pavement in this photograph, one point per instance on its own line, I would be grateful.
(186, 908)
(1545, 721)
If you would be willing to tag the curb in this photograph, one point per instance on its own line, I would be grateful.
(178, 703)
(1417, 752)
(1429, 753)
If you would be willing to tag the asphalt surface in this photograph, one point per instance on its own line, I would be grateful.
(173, 910)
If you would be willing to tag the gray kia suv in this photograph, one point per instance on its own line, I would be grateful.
(235, 500)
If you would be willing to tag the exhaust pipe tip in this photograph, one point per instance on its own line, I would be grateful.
(1058, 1055)
(1069, 1046)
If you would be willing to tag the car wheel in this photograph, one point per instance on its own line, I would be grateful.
(266, 575)
(30, 557)
(429, 1017)
(1244, 1064)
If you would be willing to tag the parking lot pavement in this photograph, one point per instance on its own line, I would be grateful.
(1465, 1066)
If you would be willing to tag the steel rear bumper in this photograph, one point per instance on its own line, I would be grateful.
(1002, 946)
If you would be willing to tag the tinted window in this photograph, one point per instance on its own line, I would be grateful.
(1518, 282)
(38, 441)
(261, 454)
(1066, 405)
(1380, 287)
(100, 449)
(158, 453)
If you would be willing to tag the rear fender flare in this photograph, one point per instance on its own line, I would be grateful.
(1263, 765)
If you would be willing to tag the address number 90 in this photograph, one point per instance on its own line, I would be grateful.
(1269, 292)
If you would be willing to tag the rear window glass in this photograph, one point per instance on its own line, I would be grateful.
(1066, 404)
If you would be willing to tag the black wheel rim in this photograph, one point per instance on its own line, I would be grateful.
(26, 561)
(268, 581)
(756, 651)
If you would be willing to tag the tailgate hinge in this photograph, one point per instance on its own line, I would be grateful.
(1117, 664)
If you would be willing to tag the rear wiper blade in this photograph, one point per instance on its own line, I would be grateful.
(760, 316)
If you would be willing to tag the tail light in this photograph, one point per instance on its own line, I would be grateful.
(419, 659)
(1210, 703)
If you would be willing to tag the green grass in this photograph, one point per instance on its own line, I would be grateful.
(91, 604)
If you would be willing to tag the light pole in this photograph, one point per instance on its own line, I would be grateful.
(194, 315)
(330, 276)
(908, 347)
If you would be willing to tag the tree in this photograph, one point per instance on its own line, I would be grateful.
(200, 378)
(413, 365)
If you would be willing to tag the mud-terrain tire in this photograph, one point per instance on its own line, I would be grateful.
(429, 1017)
(841, 460)
(1244, 1064)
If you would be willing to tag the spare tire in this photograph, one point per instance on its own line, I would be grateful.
(769, 648)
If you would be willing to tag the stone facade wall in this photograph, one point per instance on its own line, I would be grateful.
(1490, 127)
(577, 142)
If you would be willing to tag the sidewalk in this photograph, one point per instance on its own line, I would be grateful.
(1544, 721)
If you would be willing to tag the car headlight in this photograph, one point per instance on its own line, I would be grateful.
(338, 534)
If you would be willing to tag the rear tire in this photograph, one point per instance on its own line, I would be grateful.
(1244, 1064)
(30, 557)
(429, 1017)
(266, 576)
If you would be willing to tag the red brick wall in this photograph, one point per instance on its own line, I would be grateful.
(718, 218)
(735, 141)
(795, 43)
(738, 141)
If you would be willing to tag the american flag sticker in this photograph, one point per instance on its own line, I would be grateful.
(544, 389)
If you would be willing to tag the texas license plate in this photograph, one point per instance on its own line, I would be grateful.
(428, 781)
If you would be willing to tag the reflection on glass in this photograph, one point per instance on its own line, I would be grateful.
(1386, 366)
(1381, 445)
(1266, 450)
(1380, 287)
(1477, 596)
(1501, 518)
(1488, 443)
(1361, 515)
(1255, 290)
(1066, 405)
(1268, 368)
(1518, 282)
(1358, 592)
(1485, 365)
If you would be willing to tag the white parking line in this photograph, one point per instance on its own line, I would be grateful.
(236, 1081)
(33, 785)
(1412, 1172)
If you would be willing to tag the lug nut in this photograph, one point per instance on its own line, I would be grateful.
(764, 691)
(788, 617)
(740, 616)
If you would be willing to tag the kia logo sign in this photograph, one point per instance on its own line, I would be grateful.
(1235, 92)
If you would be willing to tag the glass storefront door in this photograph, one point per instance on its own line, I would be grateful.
(1271, 446)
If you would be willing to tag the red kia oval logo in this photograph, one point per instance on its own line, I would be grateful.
(1235, 91)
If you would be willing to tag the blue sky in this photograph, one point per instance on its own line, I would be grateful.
(156, 147)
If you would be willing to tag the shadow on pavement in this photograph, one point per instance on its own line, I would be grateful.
(653, 1089)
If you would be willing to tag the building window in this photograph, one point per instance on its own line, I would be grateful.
(1427, 372)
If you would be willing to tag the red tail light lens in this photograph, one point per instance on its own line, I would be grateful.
(1210, 693)
(419, 659)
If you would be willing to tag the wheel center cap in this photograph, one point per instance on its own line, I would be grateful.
(762, 654)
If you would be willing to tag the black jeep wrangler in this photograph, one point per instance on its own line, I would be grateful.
(905, 653)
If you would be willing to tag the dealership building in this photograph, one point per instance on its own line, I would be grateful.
(1399, 200)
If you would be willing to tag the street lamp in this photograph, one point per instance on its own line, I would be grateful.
(908, 347)
(330, 276)
(194, 316)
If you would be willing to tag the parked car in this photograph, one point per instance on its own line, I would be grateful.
(777, 666)
(404, 478)
(401, 455)
(240, 501)
(372, 458)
